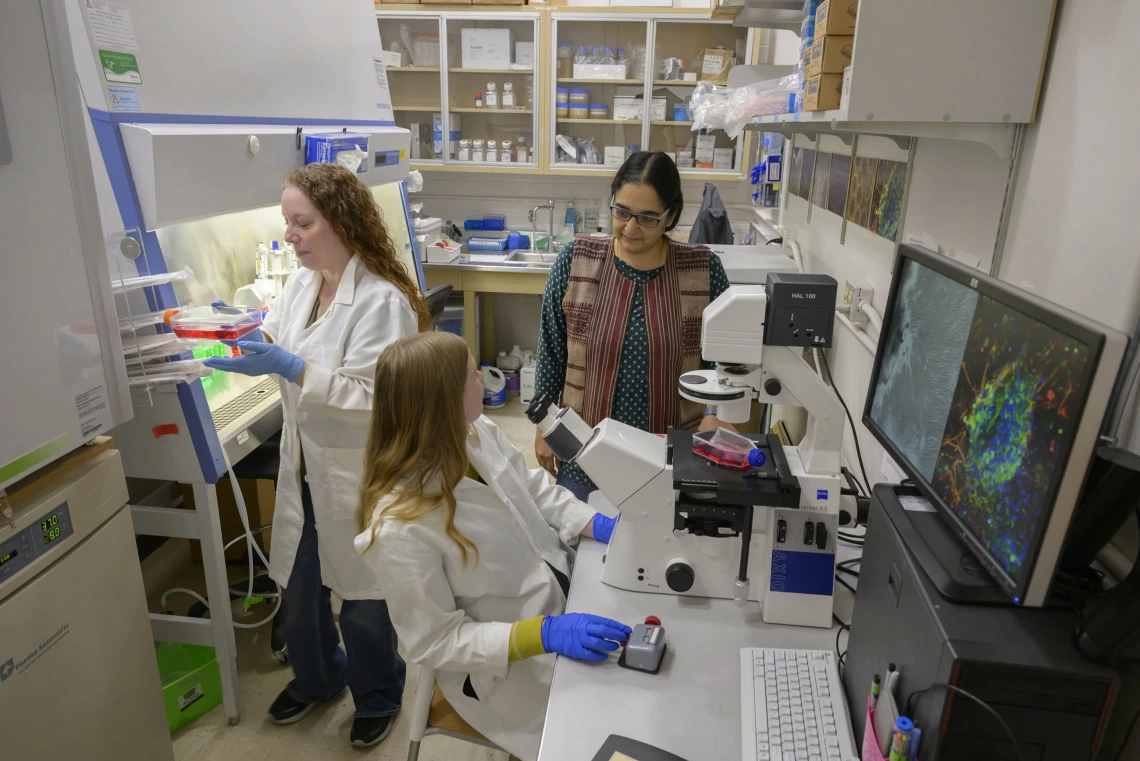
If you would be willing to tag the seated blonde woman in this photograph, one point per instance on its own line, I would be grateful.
(469, 547)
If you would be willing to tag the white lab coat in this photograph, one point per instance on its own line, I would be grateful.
(329, 417)
(458, 619)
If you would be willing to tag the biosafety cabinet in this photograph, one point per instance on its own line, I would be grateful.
(151, 190)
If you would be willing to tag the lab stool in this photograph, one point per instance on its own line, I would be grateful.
(433, 715)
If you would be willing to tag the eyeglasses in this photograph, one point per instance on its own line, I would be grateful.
(645, 220)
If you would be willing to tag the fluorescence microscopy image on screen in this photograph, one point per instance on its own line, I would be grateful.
(922, 352)
(1017, 403)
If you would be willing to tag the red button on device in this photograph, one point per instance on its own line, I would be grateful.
(652, 621)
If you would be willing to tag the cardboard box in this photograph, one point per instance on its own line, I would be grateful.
(395, 59)
(722, 158)
(823, 92)
(524, 53)
(487, 48)
(829, 55)
(446, 2)
(705, 151)
(629, 107)
(835, 17)
(845, 96)
(715, 63)
(500, 2)
(600, 71)
(614, 156)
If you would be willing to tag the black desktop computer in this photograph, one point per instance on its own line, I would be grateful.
(1020, 661)
(975, 571)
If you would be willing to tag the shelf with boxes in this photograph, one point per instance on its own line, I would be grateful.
(901, 69)
(607, 67)
(482, 67)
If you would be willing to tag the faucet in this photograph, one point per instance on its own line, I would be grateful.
(533, 216)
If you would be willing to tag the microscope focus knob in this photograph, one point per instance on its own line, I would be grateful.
(680, 576)
(772, 387)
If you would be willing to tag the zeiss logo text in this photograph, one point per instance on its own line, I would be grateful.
(821, 493)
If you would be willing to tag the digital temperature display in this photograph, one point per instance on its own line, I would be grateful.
(55, 526)
(9, 556)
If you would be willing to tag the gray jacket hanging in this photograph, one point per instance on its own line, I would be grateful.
(712, 224)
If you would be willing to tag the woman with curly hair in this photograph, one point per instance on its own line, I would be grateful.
(322, 336)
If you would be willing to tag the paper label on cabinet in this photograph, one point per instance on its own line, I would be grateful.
(111, 25)
(916, 504)
(714, 64)
(120, 67)
(123, 98)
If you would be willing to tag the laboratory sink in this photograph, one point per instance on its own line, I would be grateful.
(530, 258)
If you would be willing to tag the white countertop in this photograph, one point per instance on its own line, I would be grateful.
(691, 707)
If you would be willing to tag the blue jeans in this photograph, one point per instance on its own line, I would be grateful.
(581, 491)
(372, 669)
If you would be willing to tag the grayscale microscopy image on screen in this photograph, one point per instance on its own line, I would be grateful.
(922, 353)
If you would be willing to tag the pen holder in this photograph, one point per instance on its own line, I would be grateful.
(870, 742)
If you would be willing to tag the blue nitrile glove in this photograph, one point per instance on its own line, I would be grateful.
(259, 359)
(583, 636)
(253, 335)
(604, 528)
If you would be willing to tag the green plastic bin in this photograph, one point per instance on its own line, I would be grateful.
(191, 681)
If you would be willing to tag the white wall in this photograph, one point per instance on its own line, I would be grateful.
(1073, 233)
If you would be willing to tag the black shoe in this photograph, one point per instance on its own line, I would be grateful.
(371, 730)
(286, 709)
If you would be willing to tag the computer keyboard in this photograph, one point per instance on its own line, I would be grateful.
(792, 707)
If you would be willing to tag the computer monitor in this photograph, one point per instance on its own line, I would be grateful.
(992, 400)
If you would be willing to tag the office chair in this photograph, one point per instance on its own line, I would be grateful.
(436, 300)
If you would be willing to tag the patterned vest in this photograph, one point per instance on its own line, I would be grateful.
(597, 305)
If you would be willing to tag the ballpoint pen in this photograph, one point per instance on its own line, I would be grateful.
(875, 687)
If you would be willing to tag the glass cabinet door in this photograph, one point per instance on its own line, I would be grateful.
(598, 86)
(703, 50)
(415, 84)
(490, 89)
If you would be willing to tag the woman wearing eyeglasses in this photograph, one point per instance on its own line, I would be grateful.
(621, 315)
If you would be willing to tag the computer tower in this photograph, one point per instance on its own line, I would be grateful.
(1021, 661)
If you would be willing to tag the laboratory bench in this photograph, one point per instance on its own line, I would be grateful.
(691, 707)
(745, 265)
(479, 284)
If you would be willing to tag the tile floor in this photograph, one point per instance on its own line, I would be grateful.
(323, 734)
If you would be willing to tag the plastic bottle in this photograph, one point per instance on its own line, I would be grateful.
(261, 261)
(508, 95)
(595, 55)
(591, 218)
(521, 150)
(478, 100)
(492, 153)
(494, 386)
(608, 56)
(580, 56)
(491, 98)
(275, 263)
(520, 354)
(621, 58)
(509, 361)
(571, 216)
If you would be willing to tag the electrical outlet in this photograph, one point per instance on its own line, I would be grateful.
(856, 294)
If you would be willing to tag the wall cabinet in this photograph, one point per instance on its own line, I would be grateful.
(448, 55)
(450, 59)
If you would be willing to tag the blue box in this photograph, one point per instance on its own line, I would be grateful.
(326, 149)
(682, 114)
(494, 222)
